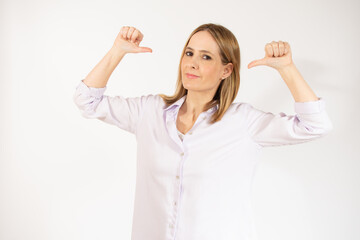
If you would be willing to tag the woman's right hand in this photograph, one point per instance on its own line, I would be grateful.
(128, 40)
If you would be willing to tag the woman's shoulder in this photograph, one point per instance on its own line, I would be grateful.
(150, 97)
(237, 107)
(153, 100)
(156, 98)
(242, 111)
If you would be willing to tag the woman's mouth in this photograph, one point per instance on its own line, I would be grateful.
(191, 76)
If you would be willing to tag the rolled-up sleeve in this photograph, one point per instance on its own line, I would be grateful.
(311, 121)
(120, 111)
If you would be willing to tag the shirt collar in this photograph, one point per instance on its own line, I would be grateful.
(176, 105)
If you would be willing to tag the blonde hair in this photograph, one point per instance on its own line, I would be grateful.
(228, 88)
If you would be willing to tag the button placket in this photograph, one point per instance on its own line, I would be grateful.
(176, 202)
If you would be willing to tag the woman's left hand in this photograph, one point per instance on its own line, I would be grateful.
(277, 55)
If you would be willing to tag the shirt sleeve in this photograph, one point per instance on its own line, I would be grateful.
(120, 111)
(311, 121)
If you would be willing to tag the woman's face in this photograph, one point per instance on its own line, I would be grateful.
(206, 65)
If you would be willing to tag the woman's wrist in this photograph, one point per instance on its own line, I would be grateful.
(115, 51)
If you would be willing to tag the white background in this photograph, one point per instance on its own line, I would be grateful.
(66, 177)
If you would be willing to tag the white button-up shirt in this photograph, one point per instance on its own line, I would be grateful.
(198, 188)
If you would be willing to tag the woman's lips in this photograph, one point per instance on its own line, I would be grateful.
(191, 76)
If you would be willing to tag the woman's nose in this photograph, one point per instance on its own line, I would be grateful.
(194, 64)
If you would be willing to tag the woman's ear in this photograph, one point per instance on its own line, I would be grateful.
(228, 70)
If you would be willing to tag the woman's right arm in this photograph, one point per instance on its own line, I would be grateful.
(100, 74)
(127, 41)
(89, 94)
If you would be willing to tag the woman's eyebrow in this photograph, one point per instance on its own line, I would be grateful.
(201, 50)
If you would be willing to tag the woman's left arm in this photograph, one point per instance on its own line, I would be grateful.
(311, 120)
(299, 88)
(278, 56)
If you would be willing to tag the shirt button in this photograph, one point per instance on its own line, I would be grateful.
(204, 118)
(175, 203)
(190, 133)
(182, 154)
(171, 226)
(177, 177)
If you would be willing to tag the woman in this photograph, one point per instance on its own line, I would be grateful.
(198, 150)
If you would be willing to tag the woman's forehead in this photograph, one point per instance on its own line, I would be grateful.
(203, 41)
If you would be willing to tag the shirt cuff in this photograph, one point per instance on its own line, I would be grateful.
(310, 107)
(91, 91)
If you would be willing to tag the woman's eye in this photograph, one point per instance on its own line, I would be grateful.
(208, 57)
(187, 53)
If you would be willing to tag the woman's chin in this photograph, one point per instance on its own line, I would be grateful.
(189, 86)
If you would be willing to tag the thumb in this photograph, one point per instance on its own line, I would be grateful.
(257, 63)
(144, 49)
